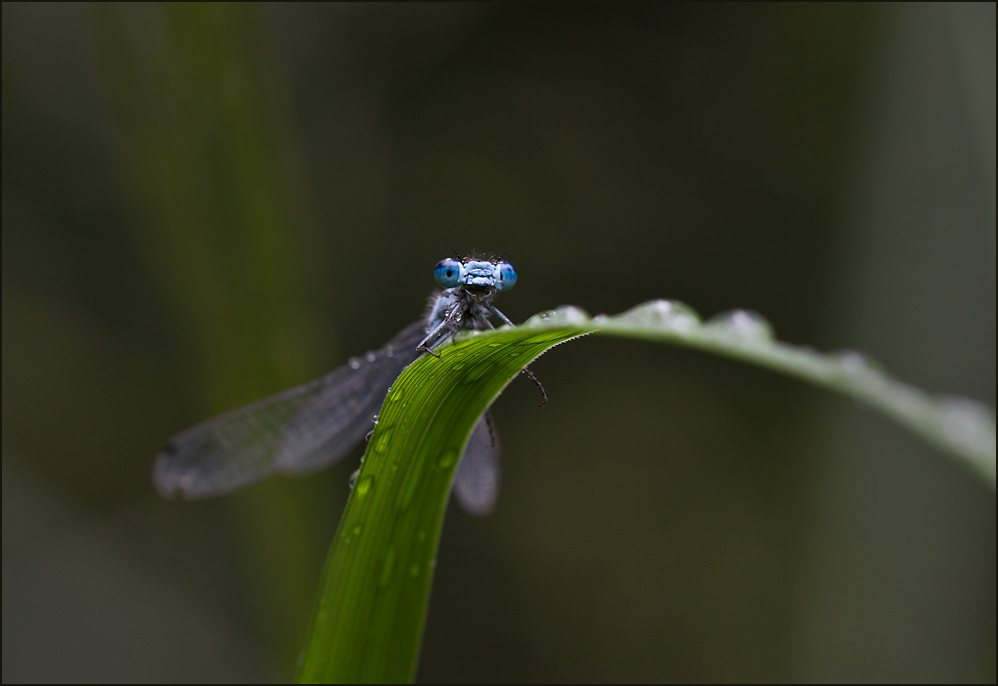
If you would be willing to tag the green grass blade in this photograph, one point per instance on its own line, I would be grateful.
(375, 586)
(961, 427)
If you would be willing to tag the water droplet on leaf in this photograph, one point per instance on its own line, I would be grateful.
(448, 459)
(743, 325)
(670, 315)
(852, 362)
(861, 369)
(364, 486)
(967, 421)
(566, 315)
(379, 441)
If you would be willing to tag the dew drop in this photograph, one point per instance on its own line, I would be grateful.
(569, 314)
(370, 357)
(856, 365)
(354, 363)
(670, 315)
(967, 421)
(353, 479)
(566, 315)
(384, 436)
(852, 362)
(363, 486)
(448, 459)
(743, 325)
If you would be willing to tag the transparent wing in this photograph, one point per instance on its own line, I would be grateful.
(300, 430)
(476, 483)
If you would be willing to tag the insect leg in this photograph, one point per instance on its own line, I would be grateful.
(424, 345)
(482, 315)
(540, 387)
(443, 339)
(526, 370)
(494, 310)
(492, 429)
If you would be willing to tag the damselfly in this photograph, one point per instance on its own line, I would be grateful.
(314, 425)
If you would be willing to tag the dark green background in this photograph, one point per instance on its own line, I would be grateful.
(203, 205)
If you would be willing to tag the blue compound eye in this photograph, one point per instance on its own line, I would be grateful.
(507, 276)
(448, 272)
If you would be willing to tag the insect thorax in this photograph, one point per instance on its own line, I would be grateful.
(470, 302)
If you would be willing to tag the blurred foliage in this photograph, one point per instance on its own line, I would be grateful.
(204, 204)
(197, 102)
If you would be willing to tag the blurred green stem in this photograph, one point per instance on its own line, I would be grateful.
(203, 135)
